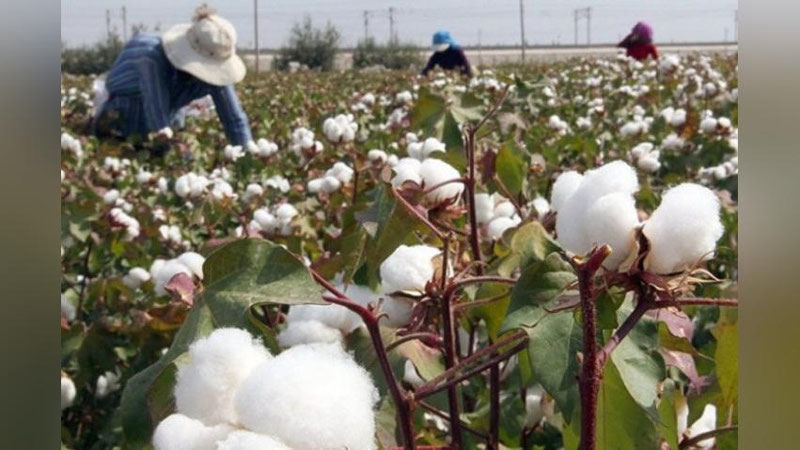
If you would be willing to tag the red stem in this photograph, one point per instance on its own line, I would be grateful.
(400, 398)
(415, 212)
(450, 348)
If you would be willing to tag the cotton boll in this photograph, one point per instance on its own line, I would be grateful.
(398, 310)
(408, 268)
(315, 185)
(706, 422)
(377, 156)
(106, 384)
(534, 412)
(143, 177)
(407, 169)
(68, 392)
(411, 376)
(265, 220)
(247, 440)
(484, 208)
(312, 397)
(341, 172)
(111, 196)
(286, 212)
(566, 184)
(650, 163)
(167, 271)
(642, 149)
(678, 118)
(503, 207)
(135, 277)
(218, 364)
(672, 142)
(301, 332)
(67, 309)
(708, 125)
(432, 145)
(499, 225)
(194, 262)
(178, 432)
(612, 220)
(541, 206)
(414, 150)
(683, 229)
(434, 172)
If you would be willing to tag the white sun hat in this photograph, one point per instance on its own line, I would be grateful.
(206, 48)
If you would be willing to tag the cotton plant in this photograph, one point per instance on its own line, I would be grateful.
(72, 145)
(332, 180)
(341, 128)
(191, 185)
(277, 182)
(262, 148)
(560, 126)
(729, 168)
(233, 152)
(68, 391)
(406, 272)
(495, 214)
(646, 157)
(303, 142)
(163, 270)
(275, 220)
(118, 218)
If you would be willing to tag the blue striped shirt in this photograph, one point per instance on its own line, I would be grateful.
(147, 91)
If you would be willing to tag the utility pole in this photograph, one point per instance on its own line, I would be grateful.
(480, 49)
(522, 29)
(124, 24)
(391, 24)
(366, 25)
(255, 28)
(587, 14)
(108, 24)
(736, 25)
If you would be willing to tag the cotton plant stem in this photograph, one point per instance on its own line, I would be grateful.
(450, 348)
(399, 396)
(698, 301)
(589, 379)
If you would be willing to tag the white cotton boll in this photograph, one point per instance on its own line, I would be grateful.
(572, 222)
(163, 185)
(404, 97)
(106, 384)
(642, 149)
(392, 160)
(285, 211)
(168, 270)
(435, 171)
(156, 266)
(67, 309)
(678, 118)
(247, 440)
(484, 208)
(649, 163)
(335, 316)
(252, 191)
(683, 229)
(584, 123)
(724, 122)
(377, 155)
(135, 277)
(414, 150)
(672, 142)
(706, 422)
(110, 196)
(541, 206)
(178, 432)
(68, 392)
(566, 184)
(222, 190)
(411, 376)
(301, 332)
(166, 132)
(708, 125)
(341, 128)
(170, 233)
(218, 365)
(194, 262)
(408, 268)
(397, 310)
(330, 184)
(534, 411)
(265, 219)
(233, 152)
(407, 169)
(277, 182)
(503, 207)
(315, 185)
(612, 220)
(432, 145)
(341, 172)
(143, 177)
(312, 397)
(499, 225)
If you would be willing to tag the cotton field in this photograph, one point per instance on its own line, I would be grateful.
(398, 261)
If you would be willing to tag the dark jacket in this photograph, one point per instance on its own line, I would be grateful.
(450, 59)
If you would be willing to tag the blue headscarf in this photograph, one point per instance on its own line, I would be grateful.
(443, 37)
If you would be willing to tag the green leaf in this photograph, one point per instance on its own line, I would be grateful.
(668, 419)
(553, 346)
(726, 357)
(428, 111)
(541, 282)
(530, 242)
(621, 423)
(492, 313)
(510, 167)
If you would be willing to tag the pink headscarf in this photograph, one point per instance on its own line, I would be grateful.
(643, 32)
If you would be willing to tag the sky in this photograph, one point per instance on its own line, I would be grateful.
(471, 22)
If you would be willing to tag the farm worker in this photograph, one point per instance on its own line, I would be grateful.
(154, 76)
(638, 44)
(447, 54)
